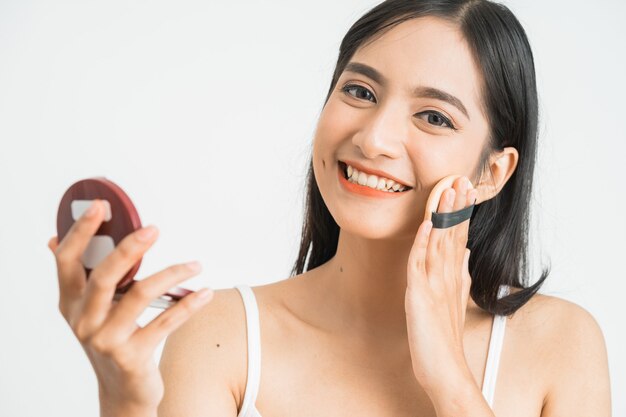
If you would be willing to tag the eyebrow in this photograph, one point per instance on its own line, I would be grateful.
(420, 91)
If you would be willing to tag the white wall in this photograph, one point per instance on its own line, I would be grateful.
(185, 103)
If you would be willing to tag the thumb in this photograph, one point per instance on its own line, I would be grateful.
(53, 243)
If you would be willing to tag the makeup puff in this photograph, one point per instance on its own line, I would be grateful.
(445, 220)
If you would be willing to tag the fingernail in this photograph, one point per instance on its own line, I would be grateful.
(204, 293)
(92, 210)
(194, 266)
(145, 234)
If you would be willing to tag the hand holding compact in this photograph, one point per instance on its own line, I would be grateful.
(120, 351)
(438, 283)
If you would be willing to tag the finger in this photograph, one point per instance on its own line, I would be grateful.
(446, 202)
(165, 323)
(68, 252)
(78, 236)
(417, 256)
(435, 261)
(463, 229)
(461, 186)
(121, 320)
(67, 297)
(466, 283)
(104, 277)
(472, 196)
(441, 260)
(53, 243)
(457, 248)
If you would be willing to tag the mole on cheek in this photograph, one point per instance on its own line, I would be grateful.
(340, 269)
(218, 345)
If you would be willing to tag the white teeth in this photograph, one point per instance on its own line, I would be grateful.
(373, 181)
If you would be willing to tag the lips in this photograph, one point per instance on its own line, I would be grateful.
(363, 190)
(378, 173)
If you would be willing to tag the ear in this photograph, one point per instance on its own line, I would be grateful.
(501, 166)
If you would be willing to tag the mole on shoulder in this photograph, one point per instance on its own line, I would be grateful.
(218, 345)
(340, 269)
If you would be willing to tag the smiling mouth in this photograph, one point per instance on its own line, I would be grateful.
(371, 181)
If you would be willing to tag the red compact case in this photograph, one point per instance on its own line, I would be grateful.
(120, 219)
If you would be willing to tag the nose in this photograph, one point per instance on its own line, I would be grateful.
(382, 133)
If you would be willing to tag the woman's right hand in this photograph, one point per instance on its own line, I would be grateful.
(121, 352)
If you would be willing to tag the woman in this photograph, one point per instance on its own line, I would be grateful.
(380, 322)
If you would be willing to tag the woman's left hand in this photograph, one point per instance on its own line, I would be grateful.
(438, 284)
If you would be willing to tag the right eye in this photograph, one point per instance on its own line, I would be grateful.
(361, 92)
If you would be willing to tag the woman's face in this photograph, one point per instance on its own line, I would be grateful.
(415, 115)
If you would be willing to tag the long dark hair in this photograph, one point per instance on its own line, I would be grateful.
(498, 233)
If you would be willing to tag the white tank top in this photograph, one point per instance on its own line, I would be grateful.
(248, 407)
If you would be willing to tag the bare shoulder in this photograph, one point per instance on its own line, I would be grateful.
(558, 320)
(204, 361)
(568, 345)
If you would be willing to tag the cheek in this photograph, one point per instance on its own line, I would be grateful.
(331, 130)
(436, 158)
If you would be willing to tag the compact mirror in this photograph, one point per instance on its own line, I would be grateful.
(121, 219)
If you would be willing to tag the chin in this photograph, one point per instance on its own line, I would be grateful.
(375, 218)
(373, 226)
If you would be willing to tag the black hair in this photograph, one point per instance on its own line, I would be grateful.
(499, 227)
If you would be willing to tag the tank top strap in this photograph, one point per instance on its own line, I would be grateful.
(496, 342)
(254, 350)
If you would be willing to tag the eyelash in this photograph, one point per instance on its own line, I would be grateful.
(444, 118)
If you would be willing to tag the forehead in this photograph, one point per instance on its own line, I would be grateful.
(426, 51)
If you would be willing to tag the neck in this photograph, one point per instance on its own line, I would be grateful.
(364, 287)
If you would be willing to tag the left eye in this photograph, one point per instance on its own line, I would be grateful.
(436, 119)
